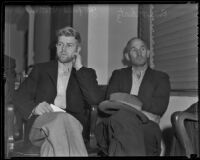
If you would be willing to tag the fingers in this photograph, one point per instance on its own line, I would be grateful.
(77, 61)
(137, 107)
(43, 108)
(75, 55)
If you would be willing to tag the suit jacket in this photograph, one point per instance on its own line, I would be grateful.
(41, 85)
(9, 77)
(154, 90)
(124, 133)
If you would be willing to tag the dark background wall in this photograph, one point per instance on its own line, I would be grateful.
(48, 19)
(61, 16)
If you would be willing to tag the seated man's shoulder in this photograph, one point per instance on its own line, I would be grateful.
(160, 74)
(122, 70)
(87, 69)
(45, 65)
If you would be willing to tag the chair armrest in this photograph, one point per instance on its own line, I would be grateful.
(189, 116)
(9, 127)
(93, 119)
(177, 120)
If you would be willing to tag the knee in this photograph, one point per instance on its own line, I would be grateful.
(61, 115)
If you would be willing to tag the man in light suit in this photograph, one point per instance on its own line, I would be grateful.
(123, 133)
(64, 82)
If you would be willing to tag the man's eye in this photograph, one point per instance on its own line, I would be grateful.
(60, 44)
(143, 49)
(69, 45)
(133, 50)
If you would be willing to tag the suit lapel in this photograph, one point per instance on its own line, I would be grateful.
(146, 82)
(53, 72)
(71, 82)
(127, 80)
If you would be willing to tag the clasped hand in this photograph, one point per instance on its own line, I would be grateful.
(42, 108)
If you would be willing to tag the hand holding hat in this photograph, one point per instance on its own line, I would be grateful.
(123, 101)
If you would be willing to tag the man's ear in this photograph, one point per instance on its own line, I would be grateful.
(126, 55)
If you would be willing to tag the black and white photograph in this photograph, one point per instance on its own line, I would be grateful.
(100, 80)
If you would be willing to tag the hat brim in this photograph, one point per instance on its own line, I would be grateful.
(111, 107)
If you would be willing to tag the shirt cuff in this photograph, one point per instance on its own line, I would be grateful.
(31, 114)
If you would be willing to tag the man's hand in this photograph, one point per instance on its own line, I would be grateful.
(77, 64)
(152, 117)
(42, 108)
(128, 99)
(139, 108)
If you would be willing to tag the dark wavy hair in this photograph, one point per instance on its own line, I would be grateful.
(69, 31)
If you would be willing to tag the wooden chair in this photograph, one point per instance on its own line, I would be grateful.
(20, 148)
(180, 121)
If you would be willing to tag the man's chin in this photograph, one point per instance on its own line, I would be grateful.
(65, 60)
(140, 64)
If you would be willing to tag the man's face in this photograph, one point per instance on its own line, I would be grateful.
(66, 47)
(138, 54)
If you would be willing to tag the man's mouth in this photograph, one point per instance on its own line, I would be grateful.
(139, 57)
(63, 54)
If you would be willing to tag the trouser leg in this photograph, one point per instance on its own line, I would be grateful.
(58, 134)
(121, 135)
(152, 138)
(101, 134)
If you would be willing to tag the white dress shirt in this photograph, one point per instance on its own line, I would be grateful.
(137, 76)
(62, 83)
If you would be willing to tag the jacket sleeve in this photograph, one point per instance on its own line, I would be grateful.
(87, 80)
(158, 102)
(114, 84)
(24, 97)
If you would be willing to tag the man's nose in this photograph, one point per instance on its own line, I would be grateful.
(64, 48)
(139, 53)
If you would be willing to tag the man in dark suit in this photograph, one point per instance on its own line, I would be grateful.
(123, 133)
(9, 75)
(64, 83)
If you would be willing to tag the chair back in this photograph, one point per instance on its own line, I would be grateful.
(185, 126)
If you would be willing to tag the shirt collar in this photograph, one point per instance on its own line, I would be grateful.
(142, 70)
(64, 68)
